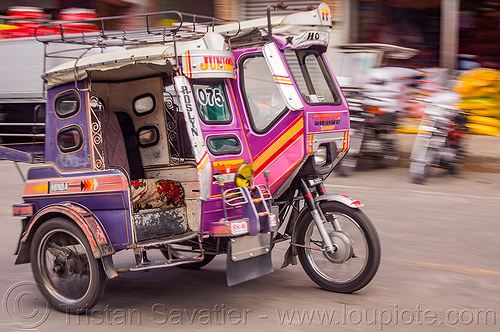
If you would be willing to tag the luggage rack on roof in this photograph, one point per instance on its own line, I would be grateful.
(68, 32)
(279, 16)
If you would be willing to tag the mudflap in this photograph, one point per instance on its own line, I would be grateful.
(248, 257)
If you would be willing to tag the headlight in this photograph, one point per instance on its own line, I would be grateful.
(320, 156)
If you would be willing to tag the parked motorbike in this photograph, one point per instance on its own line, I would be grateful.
(439, 142)
(372, 136)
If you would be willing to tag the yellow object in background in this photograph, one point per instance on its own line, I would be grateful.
(472, 79)
(484, 120)
(479, 103)
(8, 27)
(480, 129)
(486, 112)
(485, 91)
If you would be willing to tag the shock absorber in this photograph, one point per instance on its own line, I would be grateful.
(317, 216)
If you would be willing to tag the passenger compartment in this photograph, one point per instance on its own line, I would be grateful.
(139, 131)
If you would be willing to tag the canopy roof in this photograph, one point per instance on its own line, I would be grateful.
(139, 61)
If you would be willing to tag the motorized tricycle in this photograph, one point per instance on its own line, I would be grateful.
(197, 139)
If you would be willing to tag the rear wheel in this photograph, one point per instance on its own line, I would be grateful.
(357, 257)
(66, 271)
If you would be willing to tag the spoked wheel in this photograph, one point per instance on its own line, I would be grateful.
(357, 257)
(180, 253)
(64, 267)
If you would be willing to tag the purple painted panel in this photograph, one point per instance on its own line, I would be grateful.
(22, 153)
(212, 211)
(224, 164)
(110, 209)
(319, 122)
(111, 206)
(258, 141)
(66, 161)
(270, 140)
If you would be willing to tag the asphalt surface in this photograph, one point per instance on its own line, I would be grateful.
(439, 271)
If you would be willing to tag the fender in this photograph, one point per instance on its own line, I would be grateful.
(291, 253)
(344, 199)
(98, 239)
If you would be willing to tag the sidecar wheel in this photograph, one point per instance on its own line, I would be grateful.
(64, 267)
(355, 262)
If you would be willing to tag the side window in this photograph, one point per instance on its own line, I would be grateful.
(222, 145)
(312, 77)
(144, 104)
(263, 99)
(212, 103)
(70, 139)
(148, 136)
(67, 104)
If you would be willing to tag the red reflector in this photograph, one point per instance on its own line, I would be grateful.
(22, 210)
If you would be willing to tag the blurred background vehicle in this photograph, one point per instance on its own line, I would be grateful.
(376, 95)
(440, 139)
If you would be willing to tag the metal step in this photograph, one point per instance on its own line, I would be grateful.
(160, 242)
(159, 264)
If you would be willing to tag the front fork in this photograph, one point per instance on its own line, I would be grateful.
(316, 212)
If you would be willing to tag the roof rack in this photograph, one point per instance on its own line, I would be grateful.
(79, 39)
(73, 40)
(69, 32)
(261, 30)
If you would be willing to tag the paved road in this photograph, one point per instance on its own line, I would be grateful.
(440, 271)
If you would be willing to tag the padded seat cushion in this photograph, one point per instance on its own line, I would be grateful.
(156, 194)
(114, 146)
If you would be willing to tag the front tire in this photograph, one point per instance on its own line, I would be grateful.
(357, 258)
(418, 172)
(66, 271)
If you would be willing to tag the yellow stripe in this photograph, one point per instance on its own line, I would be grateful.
(286, 136)
(310, 144)
(186, 64)
(287, 172)
(203, 163)
(278, 79)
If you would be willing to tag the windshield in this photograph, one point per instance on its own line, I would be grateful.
(312, 77)
(263, 99)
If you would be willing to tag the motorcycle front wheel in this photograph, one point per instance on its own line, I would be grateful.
(421, 157)
(356, 258)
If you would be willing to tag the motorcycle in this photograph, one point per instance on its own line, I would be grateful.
(439, 141)
(372, 136)
(183, 143)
